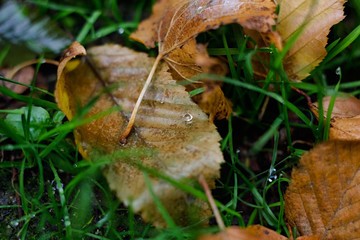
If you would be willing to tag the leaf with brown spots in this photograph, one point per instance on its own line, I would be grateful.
(172, 135)
(324, 193)
(345, 117)
(175, 24)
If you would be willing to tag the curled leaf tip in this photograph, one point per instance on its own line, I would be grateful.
(74, 50)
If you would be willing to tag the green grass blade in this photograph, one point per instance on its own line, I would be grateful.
(88, 25)
(350, 38)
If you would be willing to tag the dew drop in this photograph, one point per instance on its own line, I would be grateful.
(15, 223)
(272, 176)
(188, 118)
(199, 10)
(67, 223)
(121, 31)
(338, 71)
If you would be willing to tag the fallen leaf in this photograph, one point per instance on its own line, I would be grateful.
(346, 106)
(181, 141)
(309, 49)
(323, 196)
(175, 24)
(24, 76)
(254, 232)
(62, 94)
(212, 101)
(345, 117)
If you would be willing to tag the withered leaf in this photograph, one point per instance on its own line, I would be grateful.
(323, 196)
(177, 133)
(24, 76)
(346, 106)
(345, 117)
(175, 24)
(254, 232)
(309, 49)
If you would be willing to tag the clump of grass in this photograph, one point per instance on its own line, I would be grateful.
(59, 195)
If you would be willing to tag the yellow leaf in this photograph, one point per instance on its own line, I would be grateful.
(309, 49)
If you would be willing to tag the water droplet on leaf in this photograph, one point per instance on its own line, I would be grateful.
(188, 118)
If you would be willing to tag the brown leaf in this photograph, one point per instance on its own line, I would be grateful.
(345, 117)
(309, 49)
(212, 100)
(177, 136)
(24, 76)
(346, 106)
(323, 196)
(175, 24)
(254, 232)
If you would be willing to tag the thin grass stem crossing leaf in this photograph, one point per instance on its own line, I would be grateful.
(345, 116)
(171, 136)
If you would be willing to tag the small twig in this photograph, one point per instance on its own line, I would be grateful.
(210, 198)
(263, 108)
(307, 97)
(139, 100)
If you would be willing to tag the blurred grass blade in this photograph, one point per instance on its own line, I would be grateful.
(19, 27)
(89, 24)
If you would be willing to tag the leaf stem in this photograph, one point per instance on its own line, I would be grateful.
(138, 102)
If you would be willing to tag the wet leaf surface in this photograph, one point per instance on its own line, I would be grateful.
(172, 135)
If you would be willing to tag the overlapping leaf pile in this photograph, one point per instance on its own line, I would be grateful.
(175, 24)
(179, 139)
